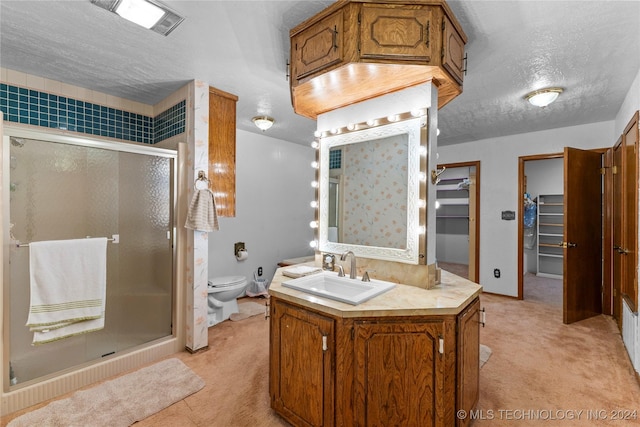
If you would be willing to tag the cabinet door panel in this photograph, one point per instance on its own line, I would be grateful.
(468, 356)
(452, 51)
(303, 389)
(398, 373)
(318, 47)
(396, 33)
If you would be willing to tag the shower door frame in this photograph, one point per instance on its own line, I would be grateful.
(163, 346)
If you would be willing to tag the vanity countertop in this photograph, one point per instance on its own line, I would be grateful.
(451, 296)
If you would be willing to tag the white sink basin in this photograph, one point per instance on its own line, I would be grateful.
(329, 285)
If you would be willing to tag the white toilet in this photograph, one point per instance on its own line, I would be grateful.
(222, 301)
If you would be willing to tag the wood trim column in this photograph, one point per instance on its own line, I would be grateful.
(222, 150)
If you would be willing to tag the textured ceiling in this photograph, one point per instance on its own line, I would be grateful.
(591, 48)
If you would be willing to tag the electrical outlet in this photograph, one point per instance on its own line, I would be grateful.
(259, 271)
(496, 273)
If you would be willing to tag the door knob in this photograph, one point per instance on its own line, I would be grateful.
(568, 245)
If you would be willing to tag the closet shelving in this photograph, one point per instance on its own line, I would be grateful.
(550, 235)
(453, 214)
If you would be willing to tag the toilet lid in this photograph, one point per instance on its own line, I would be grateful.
(220, 282)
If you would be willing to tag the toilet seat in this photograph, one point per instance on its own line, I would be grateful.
(225, 281)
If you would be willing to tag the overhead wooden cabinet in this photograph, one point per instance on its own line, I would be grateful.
(319, 46)
(359, 49)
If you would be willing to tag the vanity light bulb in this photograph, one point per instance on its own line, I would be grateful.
(351, 126)
(371, 122)
(423, 150)
(334, 131)
(315, 165)
(422, 176)
(314, 184)
(422, 229)
(416, 113)
(393, 118)
(313, 243)
(315, 144)
(313, 224)
(317, 134)
(422, 203)
(314, 204)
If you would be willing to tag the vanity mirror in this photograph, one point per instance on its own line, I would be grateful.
(372, 189)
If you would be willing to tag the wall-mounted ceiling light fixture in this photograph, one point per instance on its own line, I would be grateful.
(263, 122)
(149, 14)
(543, 97)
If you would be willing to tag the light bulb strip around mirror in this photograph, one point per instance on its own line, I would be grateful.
(371, 123)
(412, 124)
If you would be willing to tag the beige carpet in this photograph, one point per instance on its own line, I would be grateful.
(538, 364)
(248, 309)
(119, 402)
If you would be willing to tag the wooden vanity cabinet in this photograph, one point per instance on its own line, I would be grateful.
(468, 361)
(391, 370)
(399, 373)
(302, 355)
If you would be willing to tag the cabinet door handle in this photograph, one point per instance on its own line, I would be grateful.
(335, 37)
(428, 31)
(441, 345)
(483, 317)
(324, 343)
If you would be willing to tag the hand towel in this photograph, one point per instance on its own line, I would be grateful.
(68, 287)
(202, 212)
(300, 271)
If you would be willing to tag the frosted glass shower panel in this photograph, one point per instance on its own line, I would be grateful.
(66, 191)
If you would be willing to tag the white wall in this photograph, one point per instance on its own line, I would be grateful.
(499, 189)
(273, 192)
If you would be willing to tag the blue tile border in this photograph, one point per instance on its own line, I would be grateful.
(32, 107)
(335, 159)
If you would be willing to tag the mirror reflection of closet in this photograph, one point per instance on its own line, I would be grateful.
(455, 222)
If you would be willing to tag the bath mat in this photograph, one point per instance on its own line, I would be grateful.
(247, 309)
(119, 402)
(485, 354)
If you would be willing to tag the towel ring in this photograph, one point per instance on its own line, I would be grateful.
(202, 178)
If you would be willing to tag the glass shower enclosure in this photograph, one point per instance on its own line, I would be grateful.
(58, 188)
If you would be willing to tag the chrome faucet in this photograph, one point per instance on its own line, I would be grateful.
(353, 271)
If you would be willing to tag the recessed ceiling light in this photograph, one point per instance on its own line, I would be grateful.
(150, 14)
(543, 97)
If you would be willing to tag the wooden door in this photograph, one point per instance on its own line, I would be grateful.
(473, 229)
(397, 364)
(582, 278)
(301, 359)
(630, 222)
(618, 232)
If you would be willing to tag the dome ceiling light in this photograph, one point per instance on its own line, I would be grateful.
(263, 122)
(543, 97)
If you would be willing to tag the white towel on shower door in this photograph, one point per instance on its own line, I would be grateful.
(68, 287)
